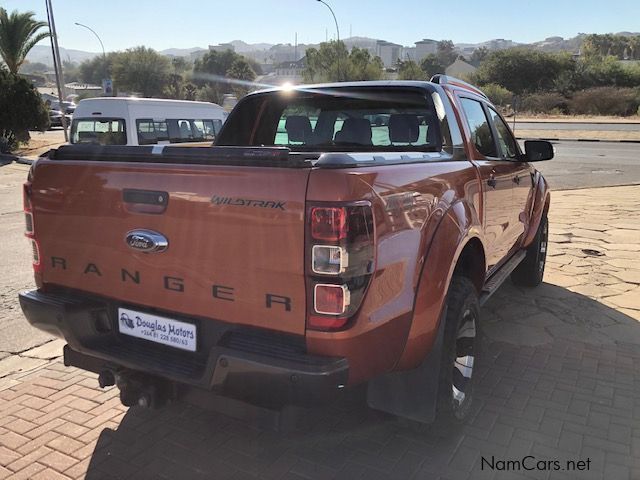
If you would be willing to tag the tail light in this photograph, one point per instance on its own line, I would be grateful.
(340, 262)
(29, 225)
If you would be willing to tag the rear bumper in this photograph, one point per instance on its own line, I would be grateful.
(240, 362)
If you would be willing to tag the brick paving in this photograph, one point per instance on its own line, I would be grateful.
(558, 382)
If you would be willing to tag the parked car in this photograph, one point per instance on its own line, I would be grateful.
(57, 111)
(281, 266)
(145, 121)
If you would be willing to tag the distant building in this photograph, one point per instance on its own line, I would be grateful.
(460, 69)
(388, 52)
(222, 47)
(425, 47)
(285, 72)
(84, 90)
(291, 69)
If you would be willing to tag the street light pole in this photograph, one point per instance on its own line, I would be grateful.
(337, 31)
(57, 64)
(97, 36)
(334, 17)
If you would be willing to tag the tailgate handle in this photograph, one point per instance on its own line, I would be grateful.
(147, 197)
(145, 201)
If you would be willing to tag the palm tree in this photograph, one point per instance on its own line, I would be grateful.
(18, 34)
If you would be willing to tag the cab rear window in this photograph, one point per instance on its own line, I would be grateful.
(99, 131)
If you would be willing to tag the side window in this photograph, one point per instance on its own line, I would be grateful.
(479, 126)
(505, 139)
(150, 132)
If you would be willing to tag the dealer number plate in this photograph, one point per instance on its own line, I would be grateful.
(157, 329)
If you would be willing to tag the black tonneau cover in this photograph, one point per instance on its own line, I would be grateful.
(249, 156)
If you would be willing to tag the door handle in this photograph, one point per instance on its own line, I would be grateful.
(492, 182)
(516, 180)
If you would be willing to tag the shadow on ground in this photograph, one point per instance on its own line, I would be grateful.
(557, 399)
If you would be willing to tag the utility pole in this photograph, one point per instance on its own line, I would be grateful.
(57, 65)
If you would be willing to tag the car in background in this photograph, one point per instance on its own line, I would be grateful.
(57, 111)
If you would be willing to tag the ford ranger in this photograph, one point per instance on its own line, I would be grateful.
(333, 235)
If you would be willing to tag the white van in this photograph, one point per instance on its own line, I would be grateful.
(145, 121)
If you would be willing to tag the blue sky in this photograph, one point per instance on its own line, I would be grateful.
(163, 24)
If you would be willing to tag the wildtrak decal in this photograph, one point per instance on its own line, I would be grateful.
(246, 202)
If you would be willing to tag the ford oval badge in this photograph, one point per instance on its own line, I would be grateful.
(146, 241)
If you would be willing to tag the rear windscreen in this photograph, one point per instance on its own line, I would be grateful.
(360, 119)
(99, 131)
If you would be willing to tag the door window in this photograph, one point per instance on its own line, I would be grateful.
(479, 126)
(505, 139)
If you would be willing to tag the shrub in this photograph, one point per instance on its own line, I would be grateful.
(605, 101)
(499, 95)
(549, 102)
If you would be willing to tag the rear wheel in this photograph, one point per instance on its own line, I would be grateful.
(460, 352)
(531, 270)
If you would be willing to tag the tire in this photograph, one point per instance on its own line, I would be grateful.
(531, 270)
(460, 351)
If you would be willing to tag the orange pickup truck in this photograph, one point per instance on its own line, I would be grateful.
(333, 235)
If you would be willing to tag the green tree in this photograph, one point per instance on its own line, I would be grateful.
(410, 70)
(141, 70)
(446, 52)
(212, 71)
(213, 65)
(21, 110)
(431, 65)
(522, 70)
(332, 62)
(98, 68)
(18, 35)
(241, 70)
(478, 56)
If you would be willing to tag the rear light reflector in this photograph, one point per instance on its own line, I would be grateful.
(329, 259)
(330, 299)
(329, 223)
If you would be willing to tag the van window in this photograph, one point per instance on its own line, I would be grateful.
(101, 131)
(177, 130)
(151, 132)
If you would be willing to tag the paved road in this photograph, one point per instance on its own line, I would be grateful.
(580, 164)
(625, 127)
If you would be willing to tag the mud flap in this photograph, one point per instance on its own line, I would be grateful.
(412, 394)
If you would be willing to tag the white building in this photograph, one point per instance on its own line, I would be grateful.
(425, 47)
(222, 47)
(388, 52)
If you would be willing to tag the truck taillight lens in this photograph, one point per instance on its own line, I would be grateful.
(340, 253)
(329, 223)
(29, 226)
(36, 255)
(28, 222)
(331, 299)
(329, 259)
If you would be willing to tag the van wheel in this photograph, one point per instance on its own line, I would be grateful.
(531, 270)
(460, 351)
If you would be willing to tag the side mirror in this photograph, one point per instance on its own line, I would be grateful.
(538, 150)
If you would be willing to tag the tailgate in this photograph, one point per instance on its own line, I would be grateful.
(235, 237)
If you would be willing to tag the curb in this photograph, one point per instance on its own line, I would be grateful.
(24, 160)
(579, 140)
